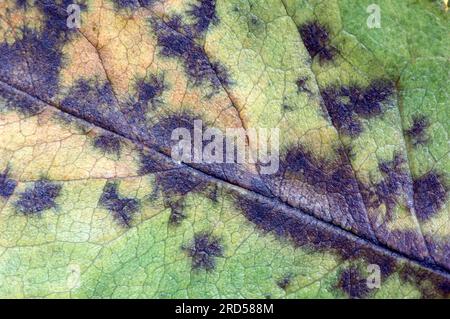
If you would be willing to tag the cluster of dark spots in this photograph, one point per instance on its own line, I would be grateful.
(203, 250)
(7, 185)
(346, 104)
(394, 184)
(108, 143)
(430, 194)
(416, 133)
(122, 208)
(353, 283)
(204, 13)
(285, 281)
(151, 89)
(302, 85)
(316, 40)
(38, 197)
(197, 65)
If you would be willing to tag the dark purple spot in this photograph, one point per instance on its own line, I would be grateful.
(395, 183)
(122, 208)
(7, 185)
(203, 250)
(180, 182)
(353, 283)
(38, 197)
(151, 89)
(344, 105)
(32, 64)
(429, 195)
(416, 133)
(196, 62)
(341, 113)
(109, 143)
(316, 40)
(204, 13)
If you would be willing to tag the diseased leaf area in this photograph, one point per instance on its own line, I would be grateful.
(93, 205)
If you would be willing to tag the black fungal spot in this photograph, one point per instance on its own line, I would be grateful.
(353, 283)
(284, 282)
(7, 185)
(122, 208)
(416, 133)
(345, 103)
(38, 197)
(109, 143)
(204, 13)
(429, 195)
(203, 250)
(301, 85)
(286, 107)
(150, 90)
(316, 40)
(196, 62)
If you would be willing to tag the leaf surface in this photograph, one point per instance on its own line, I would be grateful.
(94, 206)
